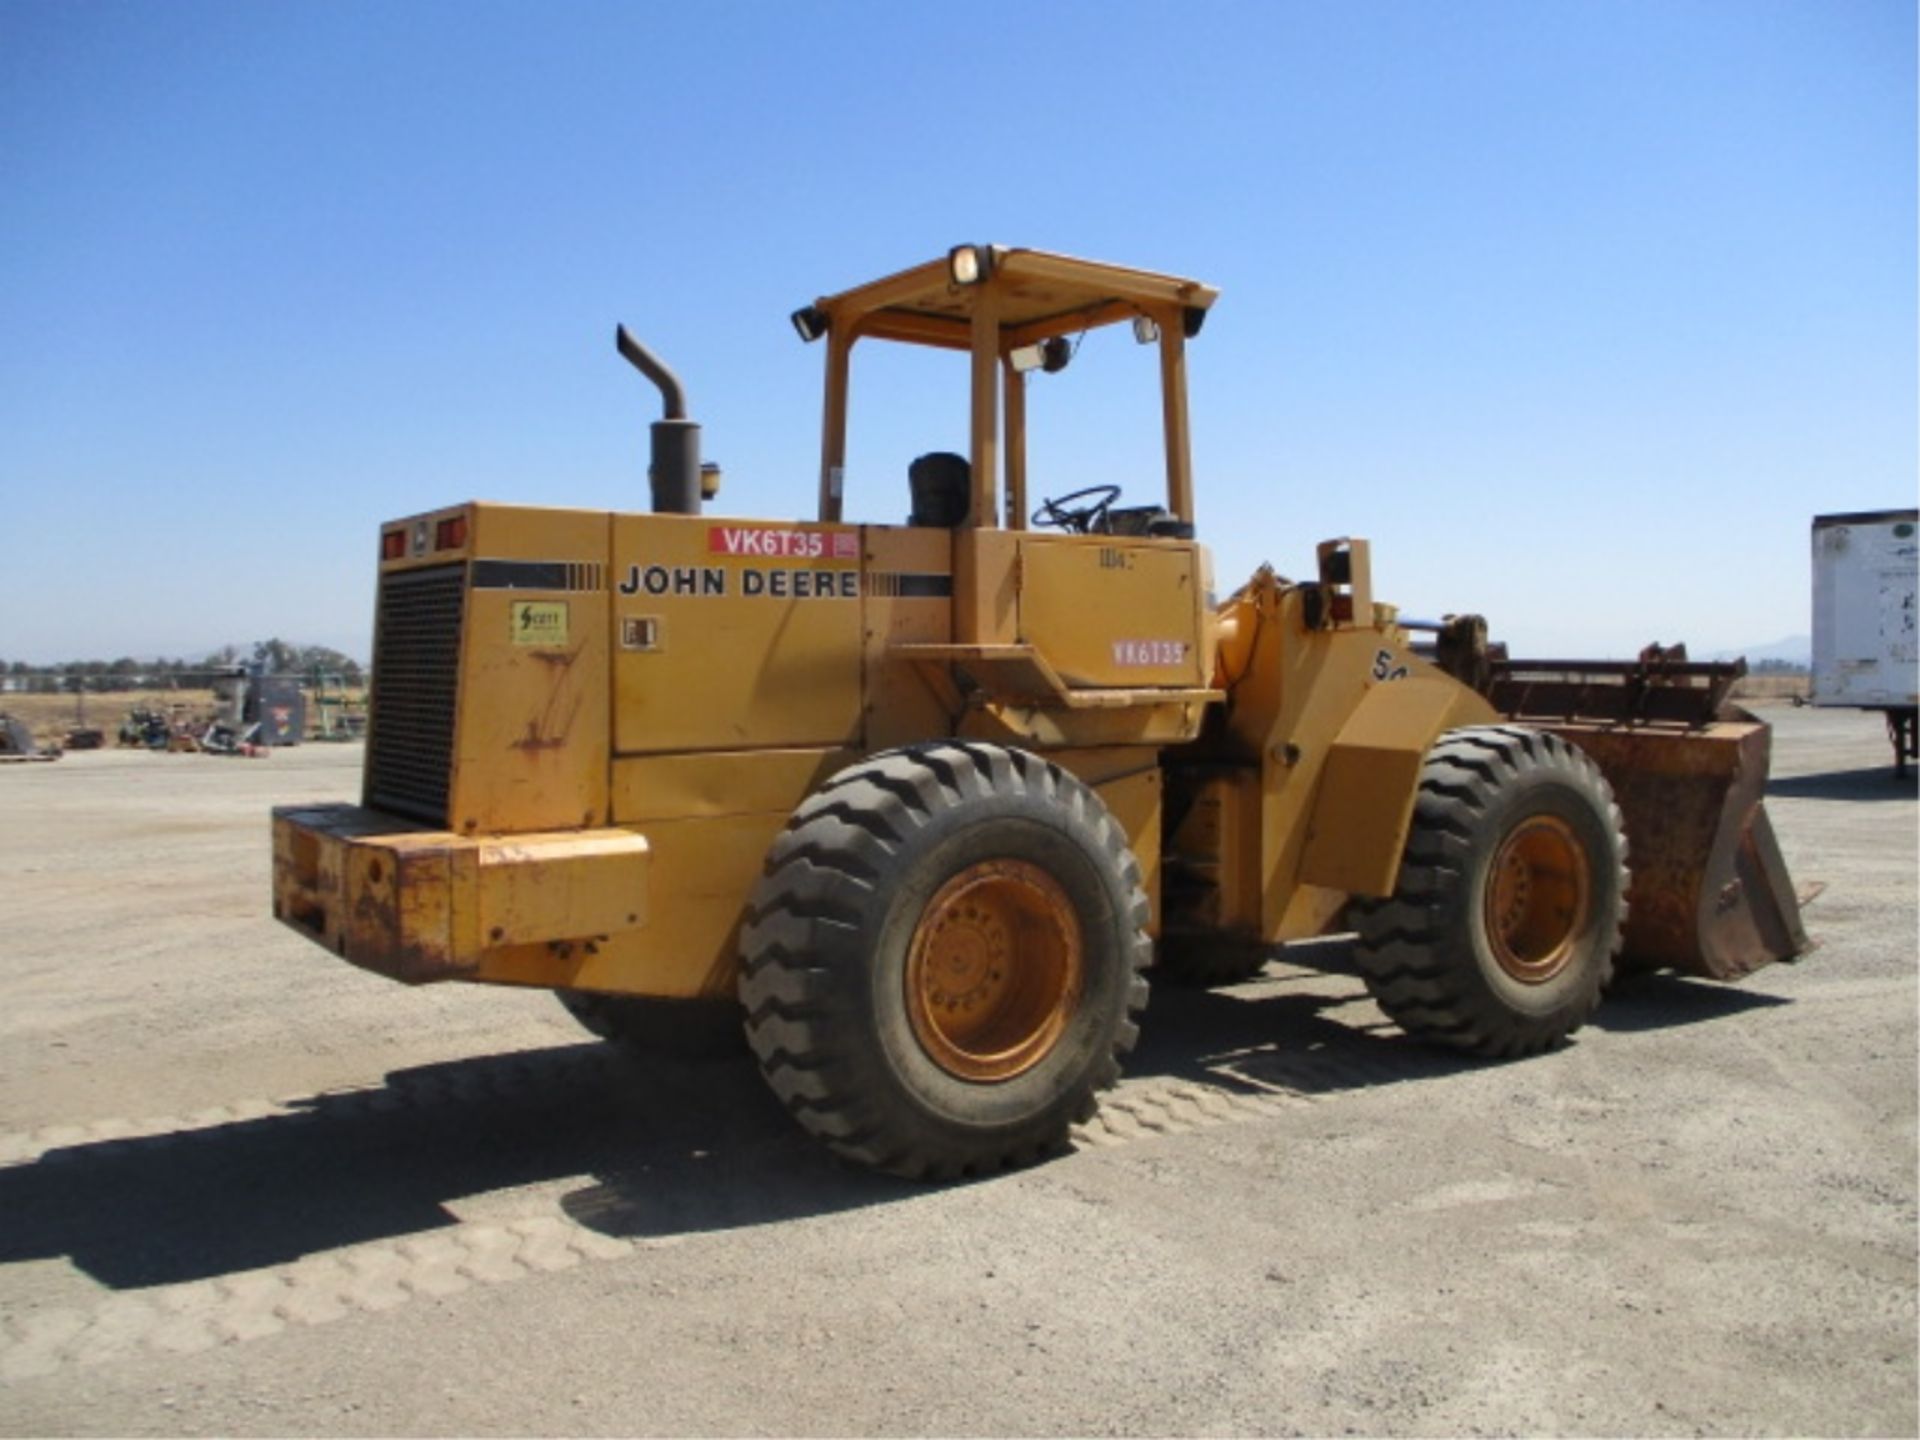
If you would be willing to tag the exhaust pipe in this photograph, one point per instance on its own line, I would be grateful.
(674, 471)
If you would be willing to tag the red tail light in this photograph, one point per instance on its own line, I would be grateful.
(451, 533)
(393, 544)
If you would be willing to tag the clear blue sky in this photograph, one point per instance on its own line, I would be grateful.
(1579, 311)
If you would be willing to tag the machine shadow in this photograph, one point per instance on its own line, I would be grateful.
(1877, 782)
(1660, 1001)
(664, 1147)
(388, 1163)
(1291, 1029)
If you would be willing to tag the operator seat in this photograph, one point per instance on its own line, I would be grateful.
(942, 486)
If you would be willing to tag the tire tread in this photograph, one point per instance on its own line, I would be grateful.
(822, 871)
(1410, 943)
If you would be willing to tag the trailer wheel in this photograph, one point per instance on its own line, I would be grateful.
(1502, 931)
(644, 1025)
(941, 966)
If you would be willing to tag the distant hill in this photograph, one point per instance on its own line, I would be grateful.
(1794, 650)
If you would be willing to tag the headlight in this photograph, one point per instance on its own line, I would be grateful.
(810, 322)
(969, 264)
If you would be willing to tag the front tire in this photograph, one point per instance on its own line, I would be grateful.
(941, 966)
(1501, 932)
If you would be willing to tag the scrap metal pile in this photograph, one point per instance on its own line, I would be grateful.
(17, 742)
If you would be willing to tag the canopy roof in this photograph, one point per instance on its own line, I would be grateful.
(1036, 295)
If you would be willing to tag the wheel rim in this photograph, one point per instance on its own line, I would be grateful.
(994, 970)
(1537, 897)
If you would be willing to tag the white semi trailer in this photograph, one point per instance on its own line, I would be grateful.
(1864, 637)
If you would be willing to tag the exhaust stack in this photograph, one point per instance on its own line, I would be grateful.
(674, 470)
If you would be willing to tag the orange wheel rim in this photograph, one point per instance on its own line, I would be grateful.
(1538, 892)
(994, 970)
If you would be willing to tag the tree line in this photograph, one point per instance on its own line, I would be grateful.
(275, 657)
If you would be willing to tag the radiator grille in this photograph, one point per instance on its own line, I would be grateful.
(416, 668)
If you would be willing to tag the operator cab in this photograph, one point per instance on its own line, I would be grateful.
(1078, 606)
(1013, 311)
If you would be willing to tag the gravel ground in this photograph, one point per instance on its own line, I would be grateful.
(245, 1189)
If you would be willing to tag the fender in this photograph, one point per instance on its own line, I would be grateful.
(1364, 804)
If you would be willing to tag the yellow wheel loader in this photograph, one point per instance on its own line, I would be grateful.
(920, 805)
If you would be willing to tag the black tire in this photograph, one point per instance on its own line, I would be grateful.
(644, 1025)
(859, 891)
(1500, 801)
(1202, 962)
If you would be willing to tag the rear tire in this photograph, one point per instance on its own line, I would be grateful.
(644, 1025)
(942, 964)
(1501, 932)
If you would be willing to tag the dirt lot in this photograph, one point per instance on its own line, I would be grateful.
(1772, 687)
(246, 1189)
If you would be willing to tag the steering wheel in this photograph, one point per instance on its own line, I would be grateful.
(1077, 519)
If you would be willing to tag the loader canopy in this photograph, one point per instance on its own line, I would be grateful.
(1004, 307)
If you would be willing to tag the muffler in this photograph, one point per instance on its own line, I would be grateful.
(674, 472)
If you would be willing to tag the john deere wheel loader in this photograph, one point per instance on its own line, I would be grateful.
(928, 798)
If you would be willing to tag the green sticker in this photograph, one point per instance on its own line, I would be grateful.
(539, 622)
